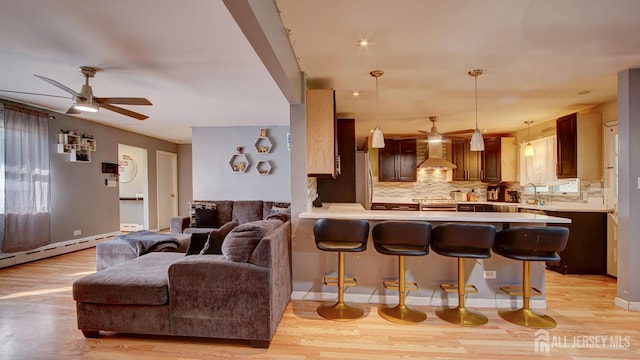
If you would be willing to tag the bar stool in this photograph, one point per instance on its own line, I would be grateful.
(340, 236)
(401, 239)
(462, 241)
(529, 244)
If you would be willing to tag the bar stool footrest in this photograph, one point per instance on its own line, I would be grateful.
(393, 285)
(453, 288)
(517, 290)
(333, 281)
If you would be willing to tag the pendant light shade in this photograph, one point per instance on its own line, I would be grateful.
(528, 150)
(477, 142)
(378, 137)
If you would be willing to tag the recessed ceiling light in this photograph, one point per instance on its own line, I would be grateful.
(355, 93)
(583, 92)
(363, 43)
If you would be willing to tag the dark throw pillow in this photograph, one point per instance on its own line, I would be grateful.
(214, 243)
(197, 242)
(207, 218)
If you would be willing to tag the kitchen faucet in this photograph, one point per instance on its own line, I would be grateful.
(535, 192)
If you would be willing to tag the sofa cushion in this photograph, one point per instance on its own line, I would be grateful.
(141, 281)
(245, 211)
(283, 214)
(241, 241)
(213, 245)
(268, 205)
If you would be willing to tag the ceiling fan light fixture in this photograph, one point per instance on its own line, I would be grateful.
(528, 149)
(378, 137)
(86, 105)
(477, 142)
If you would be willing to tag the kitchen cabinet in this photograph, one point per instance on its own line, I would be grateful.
(343, 188)
(499, 160)
(395, 206)
(579, 146)
(322, 146)
(397, 160)
(469, 163)
(586, 250)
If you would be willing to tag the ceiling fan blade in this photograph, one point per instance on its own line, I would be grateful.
(122, 100)
(38, 94)
(126, 112)
(59, 86)
(424, 132)
(73, 111)
(460, 132)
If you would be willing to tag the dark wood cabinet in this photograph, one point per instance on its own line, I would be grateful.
(586, 250)
(342, 188)
(397, 160)
(579, 146)
(499, 160)
(468, 162)
(567, 147)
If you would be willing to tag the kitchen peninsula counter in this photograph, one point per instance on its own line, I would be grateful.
(371, 268)
(356, 211)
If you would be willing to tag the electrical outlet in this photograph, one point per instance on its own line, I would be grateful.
(489, 274)
(77, 232)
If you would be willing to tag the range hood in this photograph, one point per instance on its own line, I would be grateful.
(435, 160)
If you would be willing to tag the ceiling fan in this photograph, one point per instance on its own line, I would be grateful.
(434, 136)
(85, 101)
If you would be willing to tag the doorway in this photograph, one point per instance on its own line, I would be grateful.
(134, 188)
(167, 175)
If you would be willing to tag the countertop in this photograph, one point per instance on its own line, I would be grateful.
(356, 211)
(550, 206)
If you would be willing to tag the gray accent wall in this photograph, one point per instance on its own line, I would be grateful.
(80, 200)
(213, 178)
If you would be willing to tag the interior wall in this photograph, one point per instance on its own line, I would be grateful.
(132, 211)
(80, 200)
(213, 178)
(185, 179)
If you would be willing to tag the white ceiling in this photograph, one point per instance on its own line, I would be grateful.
(192, 61)
(188, 57)
(536, 56)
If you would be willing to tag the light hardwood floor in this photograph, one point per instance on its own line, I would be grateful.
(37, 321)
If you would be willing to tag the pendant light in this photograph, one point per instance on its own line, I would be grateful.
(528, 150)
(378, 137)
(477, 142)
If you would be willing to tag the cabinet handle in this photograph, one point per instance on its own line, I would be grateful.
(338, 165)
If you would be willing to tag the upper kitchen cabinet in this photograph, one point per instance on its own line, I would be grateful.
(397, 160)
(468, 162)
(321, 133)
(343, 188)
(499, 160)
(579, 146)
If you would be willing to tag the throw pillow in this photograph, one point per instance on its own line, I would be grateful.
(283, 214)
(197, 242)
(206, 218)
(241, 241)
(214, 243)
(199, 204)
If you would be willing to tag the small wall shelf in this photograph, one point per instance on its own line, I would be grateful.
(239, 162)
(263, 167)
(263, 145)
(78, 148)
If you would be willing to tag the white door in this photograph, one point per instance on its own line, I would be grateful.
(611, 195)
(167, 171)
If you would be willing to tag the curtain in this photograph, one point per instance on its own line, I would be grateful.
(26, 180)
(540, 168)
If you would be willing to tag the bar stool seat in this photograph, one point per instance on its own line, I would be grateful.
(529, 243)
(462, 241)
(340, 236)
(401, 239)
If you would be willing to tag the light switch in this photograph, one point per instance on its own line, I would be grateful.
(638, 182)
